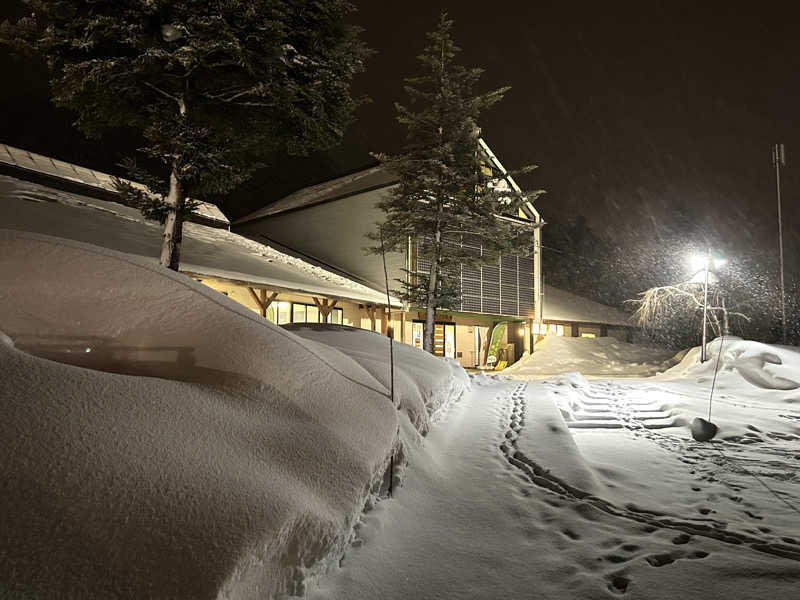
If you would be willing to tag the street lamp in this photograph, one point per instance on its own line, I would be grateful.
(170, 33)
(702, 264)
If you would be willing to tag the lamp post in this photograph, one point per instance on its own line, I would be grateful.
(702, 264)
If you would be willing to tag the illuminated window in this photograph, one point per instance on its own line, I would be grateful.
(444, 338)
(417, 330)
(535, 329)
(298, 313)
(559, 330)
(309, 313)
(588, 335)
(284, 313)
(312, 314)
(279, 312)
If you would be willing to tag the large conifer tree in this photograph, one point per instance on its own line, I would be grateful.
(215, 87)
(445, 192)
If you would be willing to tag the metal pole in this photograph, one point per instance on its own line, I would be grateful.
(390, 332)
(779, 159)
(705, 308)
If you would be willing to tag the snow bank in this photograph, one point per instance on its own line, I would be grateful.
(606, 356)
(425, 386)
(187, 448)
(761, 365)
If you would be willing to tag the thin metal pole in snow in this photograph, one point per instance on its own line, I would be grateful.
(390, 331)
(705, 309)
(714, 381)
(779, 160)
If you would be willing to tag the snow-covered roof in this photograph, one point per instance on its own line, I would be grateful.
(361, 181)
(37, 163)
(206, 251)
(368, 179)
(560, 305)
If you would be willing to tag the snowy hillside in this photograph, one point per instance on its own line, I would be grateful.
(159, 440)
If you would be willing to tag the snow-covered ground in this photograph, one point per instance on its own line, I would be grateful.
(570, 488)
(161, 441)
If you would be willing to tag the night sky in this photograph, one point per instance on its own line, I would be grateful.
(652, 119)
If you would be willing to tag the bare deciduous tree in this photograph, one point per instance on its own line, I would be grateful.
(660, 307)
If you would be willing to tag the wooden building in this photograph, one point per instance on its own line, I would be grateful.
(47, 196)
(328, 223)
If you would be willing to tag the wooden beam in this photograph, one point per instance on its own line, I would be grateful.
(257, 300)
(325, 307)
(269, 300)
(263, 302)
(371, 312)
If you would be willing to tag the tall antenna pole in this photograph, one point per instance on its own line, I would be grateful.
(779, 160)
(705, 309)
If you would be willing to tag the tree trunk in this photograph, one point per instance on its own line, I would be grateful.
(488, 343)
(430, 310)
(173, 227)
(433, 278)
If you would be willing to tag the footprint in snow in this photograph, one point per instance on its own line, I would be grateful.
(618, 584)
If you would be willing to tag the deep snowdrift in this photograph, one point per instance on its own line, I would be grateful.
(188, 448)
(424, 387)
(603, 356)
(761, 365)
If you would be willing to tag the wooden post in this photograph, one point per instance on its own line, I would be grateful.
(371, 313)
(264, 301)
(384, 324)
(403, 327)
(325, 307)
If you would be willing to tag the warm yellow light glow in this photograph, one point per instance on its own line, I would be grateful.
(588, 335)
(522, 331)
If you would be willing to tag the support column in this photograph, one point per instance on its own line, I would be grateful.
(325, 307)
(262, 300)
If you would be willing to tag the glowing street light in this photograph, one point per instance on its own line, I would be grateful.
(170, 33)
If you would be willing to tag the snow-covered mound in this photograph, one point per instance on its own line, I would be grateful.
(161, 441)
(424, 386)
(761, 365)
(604, 356)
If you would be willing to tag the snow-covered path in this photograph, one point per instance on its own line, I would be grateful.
(461, 506)
(482, 516)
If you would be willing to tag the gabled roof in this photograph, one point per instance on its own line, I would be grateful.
(23, 161)
(560, 305)
(355, 183)
(373, 178)
(206, 251)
